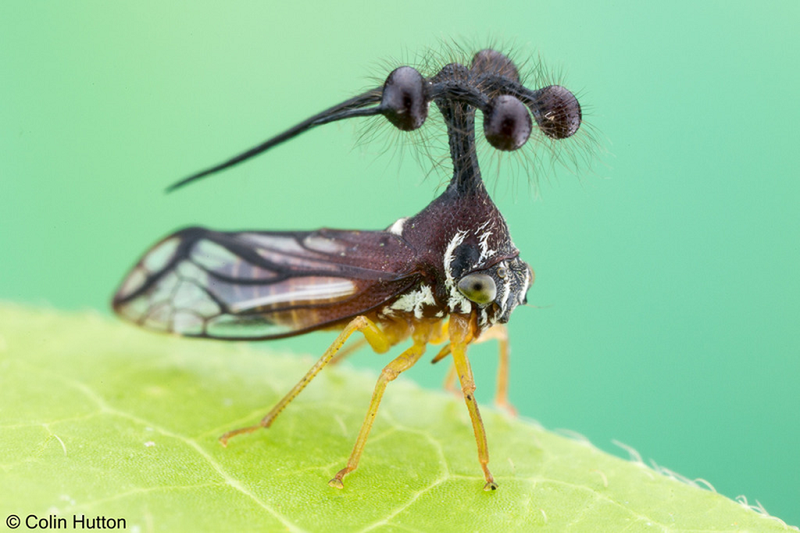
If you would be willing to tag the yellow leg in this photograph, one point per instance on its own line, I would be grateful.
(501, 397)
(450, 379)
(459, 333)
(375, 337)
(394, 331)
(444, 352)
(344, 353)
(402, 363)
(500, 333)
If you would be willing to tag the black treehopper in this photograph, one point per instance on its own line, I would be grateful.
(449, 274)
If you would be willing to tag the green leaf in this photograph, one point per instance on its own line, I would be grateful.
(101, 419)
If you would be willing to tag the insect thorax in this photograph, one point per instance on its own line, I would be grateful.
(457, 235)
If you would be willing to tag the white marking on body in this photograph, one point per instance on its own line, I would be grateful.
(525, 286)
(456, 299)
(413, 301)
(506, 289)
(483, 242)
(397, 227)
(484, 319)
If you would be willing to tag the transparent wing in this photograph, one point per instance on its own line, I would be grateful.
(263, 285)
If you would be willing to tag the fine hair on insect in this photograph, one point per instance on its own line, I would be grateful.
(449, 275)
(540, 159)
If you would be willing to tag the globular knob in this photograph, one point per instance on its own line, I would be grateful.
(405, 98)
(490, 61)
(506, 123)
(557, 112)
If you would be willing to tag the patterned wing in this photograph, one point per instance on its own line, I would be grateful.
(263, 285)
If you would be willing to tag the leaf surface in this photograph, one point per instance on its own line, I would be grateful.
(98, 418)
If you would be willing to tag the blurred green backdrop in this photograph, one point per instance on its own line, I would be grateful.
(667, 277)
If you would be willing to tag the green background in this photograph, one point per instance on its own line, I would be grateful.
(667, 275)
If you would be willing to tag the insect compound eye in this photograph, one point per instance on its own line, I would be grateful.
(506, 123)
(480, 288)
(493, 62)
(405, 98)
(557, 112)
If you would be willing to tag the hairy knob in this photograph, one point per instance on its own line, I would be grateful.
(490, 61)
(506, 123)
(405, 101)
(557, 112)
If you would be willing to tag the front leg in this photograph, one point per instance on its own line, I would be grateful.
(459, 332)
(497, 332)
